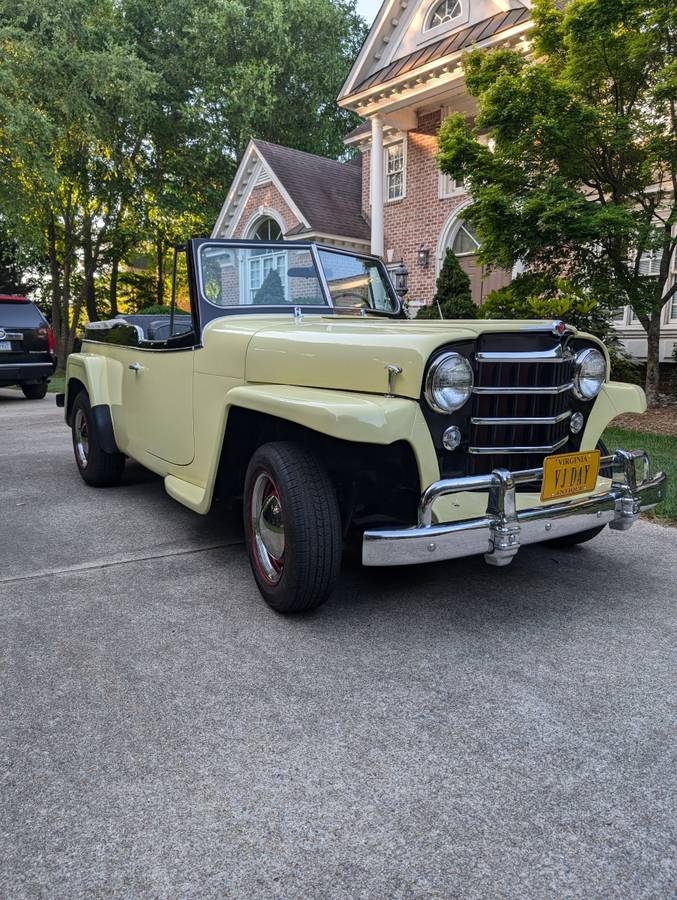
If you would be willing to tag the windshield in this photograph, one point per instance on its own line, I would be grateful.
(356, 283)
(259, 276)
(276, 274)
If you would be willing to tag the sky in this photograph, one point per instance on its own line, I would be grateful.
(368, 9)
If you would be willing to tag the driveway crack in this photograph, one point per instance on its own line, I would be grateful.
(103, 564)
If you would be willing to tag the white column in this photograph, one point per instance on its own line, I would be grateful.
(376, 165)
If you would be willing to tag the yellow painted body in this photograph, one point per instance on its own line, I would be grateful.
(326, 373)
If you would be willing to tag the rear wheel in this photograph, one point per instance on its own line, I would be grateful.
(35, 391)
(98, 468)
(292, 527)
(582, 537)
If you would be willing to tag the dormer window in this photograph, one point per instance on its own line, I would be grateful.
(445, 12)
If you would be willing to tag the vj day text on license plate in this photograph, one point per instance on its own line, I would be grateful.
(569, 474)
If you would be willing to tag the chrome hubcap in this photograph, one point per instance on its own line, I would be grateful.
(268, 528)
(81, 433)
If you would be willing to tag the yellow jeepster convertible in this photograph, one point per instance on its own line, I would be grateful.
(296, 383)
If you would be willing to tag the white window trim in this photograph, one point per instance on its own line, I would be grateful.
(263, 212)
(401, 139)
(444, 194)
(430, 34)
(247, 264)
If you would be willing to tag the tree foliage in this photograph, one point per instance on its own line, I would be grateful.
(122, 122)
(580, 180)
(452, 298)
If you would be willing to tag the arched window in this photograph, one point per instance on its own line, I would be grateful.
(267, 230)
(267, 260)
(465, 242)
(445, 12)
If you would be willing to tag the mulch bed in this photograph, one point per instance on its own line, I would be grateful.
(656, 420)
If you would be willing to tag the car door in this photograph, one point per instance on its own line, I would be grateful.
(157, 398)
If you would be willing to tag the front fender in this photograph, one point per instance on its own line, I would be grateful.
(364, 418)
(614, 399)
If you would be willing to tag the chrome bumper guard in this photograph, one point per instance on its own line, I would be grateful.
(504, 529)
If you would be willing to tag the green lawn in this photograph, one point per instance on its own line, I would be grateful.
(56, 383)
(663, 452)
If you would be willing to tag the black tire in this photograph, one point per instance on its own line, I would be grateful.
(298, 515)
(35, 391)
(98, 468)
(582, 537)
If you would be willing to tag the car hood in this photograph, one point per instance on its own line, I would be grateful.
(330, 352)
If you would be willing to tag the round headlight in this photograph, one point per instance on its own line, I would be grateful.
(449, 383)
(590, 374)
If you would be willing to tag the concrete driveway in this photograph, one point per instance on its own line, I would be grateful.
(449, 731)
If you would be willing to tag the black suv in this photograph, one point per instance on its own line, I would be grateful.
(26, 347)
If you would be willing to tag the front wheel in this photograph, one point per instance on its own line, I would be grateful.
(35, 391)
(292, 527)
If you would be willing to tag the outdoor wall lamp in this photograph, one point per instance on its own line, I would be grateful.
(423, 256)
(401, 274)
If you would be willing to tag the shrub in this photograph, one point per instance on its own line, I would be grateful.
(531, 297)
(453, 293)
(156, 309)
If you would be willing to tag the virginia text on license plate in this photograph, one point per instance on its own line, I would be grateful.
(569, 474)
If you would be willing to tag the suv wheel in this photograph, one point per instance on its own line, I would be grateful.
(35, 391)
(292, 527)
(98, 468)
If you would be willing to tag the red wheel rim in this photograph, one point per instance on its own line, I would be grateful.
(266, 528)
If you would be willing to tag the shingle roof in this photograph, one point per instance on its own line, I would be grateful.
(327, 192)
(362, 128)
(466, 37)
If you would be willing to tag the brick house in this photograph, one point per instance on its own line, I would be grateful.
(392, 200)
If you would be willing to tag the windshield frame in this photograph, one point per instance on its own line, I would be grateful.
(212, 310)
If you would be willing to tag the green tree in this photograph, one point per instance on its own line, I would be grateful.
(452, 296)
(72, 96)
(121, 124)
(18, 273)
(580, 181)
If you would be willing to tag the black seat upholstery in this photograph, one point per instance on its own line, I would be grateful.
(156, 328)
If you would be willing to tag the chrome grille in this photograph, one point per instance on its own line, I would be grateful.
(521, 407)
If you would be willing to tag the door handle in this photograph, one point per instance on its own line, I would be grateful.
(135, 367)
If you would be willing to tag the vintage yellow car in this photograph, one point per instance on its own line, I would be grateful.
(296, 383)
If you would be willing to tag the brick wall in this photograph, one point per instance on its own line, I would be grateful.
(421, 215)
(265, 195)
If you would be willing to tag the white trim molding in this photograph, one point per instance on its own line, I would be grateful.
(263, 212)
(448, 233)
(250, 171)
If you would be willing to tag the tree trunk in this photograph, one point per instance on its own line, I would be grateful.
(160, 272)
(68, 325)
(88, 265)
(114, 287)
(653, 334)
(60, 336)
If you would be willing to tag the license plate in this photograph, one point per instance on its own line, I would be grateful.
(570, 474)
(5, 345)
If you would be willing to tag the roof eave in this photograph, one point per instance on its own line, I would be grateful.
(414, 82)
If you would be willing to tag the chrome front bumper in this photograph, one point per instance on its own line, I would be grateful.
(504, 529)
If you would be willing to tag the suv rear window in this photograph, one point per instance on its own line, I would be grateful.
(20, 315)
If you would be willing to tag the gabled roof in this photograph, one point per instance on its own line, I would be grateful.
(324, 195)
(327, 192)
(458, 40)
